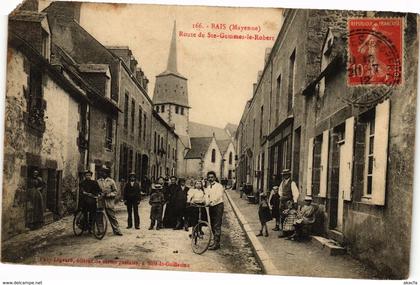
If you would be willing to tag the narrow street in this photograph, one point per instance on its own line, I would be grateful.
(164, 249)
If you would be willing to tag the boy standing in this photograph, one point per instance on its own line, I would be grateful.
(157, 199)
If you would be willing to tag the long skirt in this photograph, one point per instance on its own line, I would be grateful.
(169, 216)
(35, 209)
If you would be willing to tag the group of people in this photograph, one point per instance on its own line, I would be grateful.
(293, 221)
(170, 204)
(169, 200)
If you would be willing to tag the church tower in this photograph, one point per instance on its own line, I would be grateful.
(170, 97)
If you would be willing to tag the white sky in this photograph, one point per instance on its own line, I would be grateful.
(220, 72)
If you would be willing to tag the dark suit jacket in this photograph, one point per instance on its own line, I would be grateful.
(132, 193)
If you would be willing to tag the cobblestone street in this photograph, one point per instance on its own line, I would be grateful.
(164, 249)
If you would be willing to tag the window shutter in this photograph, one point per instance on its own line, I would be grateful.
(324, 164)
(380, 152)
(309, 169)
(346, 162)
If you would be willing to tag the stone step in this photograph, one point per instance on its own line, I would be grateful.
(330, 246)
(48, 217)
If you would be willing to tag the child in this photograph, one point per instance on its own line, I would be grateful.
(264, 214)
(157, 199)
(274, 202)
(290, 215)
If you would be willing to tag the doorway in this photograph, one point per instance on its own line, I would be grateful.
(336, 199)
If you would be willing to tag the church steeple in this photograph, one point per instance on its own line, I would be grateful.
(172, 60)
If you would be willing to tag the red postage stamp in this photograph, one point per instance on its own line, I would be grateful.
(375, 51)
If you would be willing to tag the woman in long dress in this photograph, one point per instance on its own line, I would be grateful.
(35, 202)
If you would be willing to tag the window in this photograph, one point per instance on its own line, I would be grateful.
(182, 110)
(124, 163)
(126, 111)
(278, 94)
(161, 148)
(83, 129)
(230, 157)
(369, 158)
(162, 108)
(36, 104)
(213, 155)
(140, 122)
(155, 144)
(177, 109)
(145, 126)
(108, 138)
(130, 162)
(133, 114)
(316, 165)
(157, 109)
(290, 94)
(45, 45)
(253, 132)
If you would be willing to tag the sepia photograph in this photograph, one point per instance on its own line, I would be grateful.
(193, 138)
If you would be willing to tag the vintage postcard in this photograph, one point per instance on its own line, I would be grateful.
(210, 139)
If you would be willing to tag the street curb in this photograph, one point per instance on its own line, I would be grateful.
(262, 257)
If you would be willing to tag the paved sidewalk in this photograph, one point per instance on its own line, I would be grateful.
(299, 258)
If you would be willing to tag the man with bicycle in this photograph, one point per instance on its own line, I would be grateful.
(89, 190)
(214, 199)
(109, 190)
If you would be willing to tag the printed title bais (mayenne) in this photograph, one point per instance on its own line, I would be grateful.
(223, 27)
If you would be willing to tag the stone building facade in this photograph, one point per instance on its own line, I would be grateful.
(126, 89)
(43, 124)
(71, 104)
(164, 149)
(299, 119)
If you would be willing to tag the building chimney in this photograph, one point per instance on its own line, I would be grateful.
(29, 5)
(62, 9)
(133, 65)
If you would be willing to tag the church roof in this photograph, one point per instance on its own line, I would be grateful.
(223, 145)
(199, 147)
(202, 130)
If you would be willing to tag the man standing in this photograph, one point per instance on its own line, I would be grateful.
(132, 201)
(214, 198)
(89, 190)
(183, 215)
(109, 189)
(170, 214)
(288, 191)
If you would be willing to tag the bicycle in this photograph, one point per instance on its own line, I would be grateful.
(100, 222)
(202, 235)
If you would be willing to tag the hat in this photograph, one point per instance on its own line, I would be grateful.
(275, 187)
(86, 171)
(132, 173)
(104, 167)
(308, 198)
(157, 186)
(286, 171)
(263, 194)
